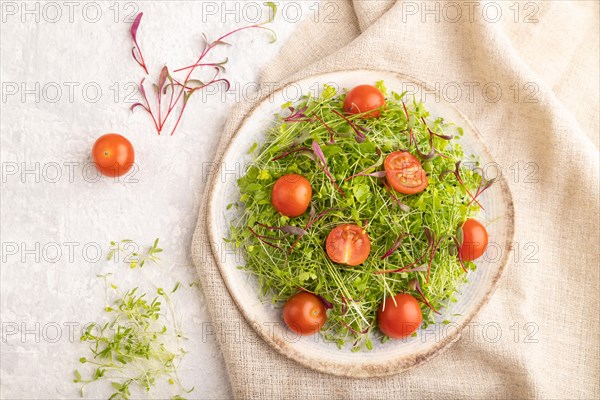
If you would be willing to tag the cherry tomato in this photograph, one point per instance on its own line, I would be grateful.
(364, 98)
(399, 319)
(475, 240)
(304, 313)
(404, 173)
(348, 244)
(291, 195)
(113, 154)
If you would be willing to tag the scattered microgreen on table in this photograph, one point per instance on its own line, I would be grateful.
(139, 345)
(414, 238)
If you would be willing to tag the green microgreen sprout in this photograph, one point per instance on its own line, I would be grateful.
(134, 259)
(413, 237)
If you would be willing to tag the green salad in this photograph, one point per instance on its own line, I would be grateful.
(357, 212)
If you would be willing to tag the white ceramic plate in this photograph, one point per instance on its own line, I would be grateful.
(396, 355)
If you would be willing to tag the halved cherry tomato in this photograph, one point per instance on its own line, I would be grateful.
(404, 173)
(291, 195)
(399, 316)
(348, 244)
(475, 240)
(304, 313)
(364, 98)
(113, 154)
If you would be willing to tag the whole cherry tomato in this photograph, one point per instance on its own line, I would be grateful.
(113, 154)
(399, 316)
(304, 313)
(364, 98)
(475, 240)
(291, 195)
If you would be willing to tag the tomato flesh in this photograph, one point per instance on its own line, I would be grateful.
(348, 244)
(364, 98)
(399, 316)
(304, 313)
(113, 154)
(405, 173)
(475, 240)
(291, 195)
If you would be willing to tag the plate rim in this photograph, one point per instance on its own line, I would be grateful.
(362, 370)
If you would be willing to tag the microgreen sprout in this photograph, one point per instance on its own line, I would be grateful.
(394, 198)
(288, 229)
(331, 131)
(292, 151)
(323, 165)
(417, 287)
(136, 52)
(265, 239)
(135, 259)
(311, 220)
(395, 246)
(483, 185)
(368, 171)
(358, 130)
(297, 115)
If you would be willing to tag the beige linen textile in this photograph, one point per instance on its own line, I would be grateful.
(546, 306)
